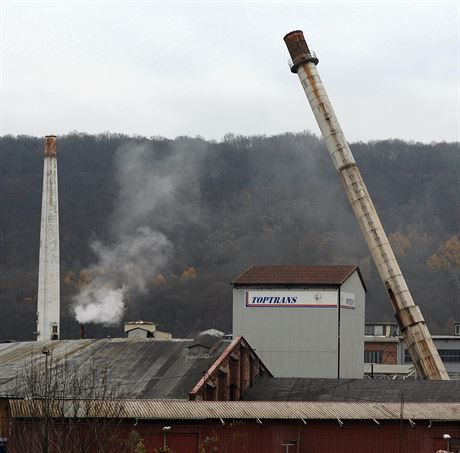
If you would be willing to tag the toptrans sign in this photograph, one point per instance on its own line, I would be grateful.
(307, 299)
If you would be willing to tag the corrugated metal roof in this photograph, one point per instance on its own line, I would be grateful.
(315, 389)
(268, 410)
(138, 368)
(295, 275)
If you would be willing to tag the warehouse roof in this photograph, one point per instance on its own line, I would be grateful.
(137, 368)
(313, 389)
(255, 410)
(296, 275)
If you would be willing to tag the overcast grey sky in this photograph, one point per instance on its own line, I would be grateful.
(392, 69)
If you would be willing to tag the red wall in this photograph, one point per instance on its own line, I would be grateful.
(315, 437)
(389, 351)
(250, 437)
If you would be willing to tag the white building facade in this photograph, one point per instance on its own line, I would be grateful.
(303, 321)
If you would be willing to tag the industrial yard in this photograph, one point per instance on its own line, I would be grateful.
(280, 292)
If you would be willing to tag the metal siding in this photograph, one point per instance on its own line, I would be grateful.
(302, 342)
(315, 437)
(291, 341)
(352, 330)
(325, 436)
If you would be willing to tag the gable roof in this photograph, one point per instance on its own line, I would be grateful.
(297, 275)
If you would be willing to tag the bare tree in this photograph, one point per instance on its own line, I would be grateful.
(67, 409)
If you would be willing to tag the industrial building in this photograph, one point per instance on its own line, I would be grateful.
(386, 355)
(208, 367)
(286, 381)
(186, 386)
(303, 321)
(259, 426)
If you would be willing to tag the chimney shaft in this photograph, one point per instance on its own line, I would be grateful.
(82, 331)
(413, 327)
(50, 146)
(48, 305)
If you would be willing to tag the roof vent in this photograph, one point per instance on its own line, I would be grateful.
(213, 333)
(204, 344)
(144, 329)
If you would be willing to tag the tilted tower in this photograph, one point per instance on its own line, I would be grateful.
(48, 305)
(410, 319)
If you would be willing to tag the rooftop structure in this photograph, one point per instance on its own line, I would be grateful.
(296, 275)
(144, 329)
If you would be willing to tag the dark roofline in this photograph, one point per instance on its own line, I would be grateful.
(242, 273)
(355, 268)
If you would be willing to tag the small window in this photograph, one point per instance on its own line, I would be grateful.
(369, 329)
(407, 357)
(457, 328)
(373, 357)
(450, 355)
(54, 330)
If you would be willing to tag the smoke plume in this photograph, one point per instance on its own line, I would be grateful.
(149, 201)
(126, 265)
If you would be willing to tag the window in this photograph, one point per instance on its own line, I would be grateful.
(373, 357)
(368, 329)
(447, 355)
(407, 358)
(457, 328)
(450, 355)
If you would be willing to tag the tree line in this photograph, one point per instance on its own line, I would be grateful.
(224, 206)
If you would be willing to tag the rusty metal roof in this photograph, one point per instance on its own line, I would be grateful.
(138, 368)
(268, 410)
(296, 275)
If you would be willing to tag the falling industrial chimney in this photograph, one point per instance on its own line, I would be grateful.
(416, 335)
(48, 306)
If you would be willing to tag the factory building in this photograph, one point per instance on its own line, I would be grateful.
(303, 321)
(208, 367)
(253, 426)
(386, 354)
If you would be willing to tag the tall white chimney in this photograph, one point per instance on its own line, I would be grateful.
(48, 306)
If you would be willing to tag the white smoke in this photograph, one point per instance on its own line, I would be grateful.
(99, 305)
(150, 188)
(127, 265)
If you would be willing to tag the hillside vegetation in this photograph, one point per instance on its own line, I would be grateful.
(223, 206)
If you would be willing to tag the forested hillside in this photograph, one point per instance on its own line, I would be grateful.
(171, 222)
